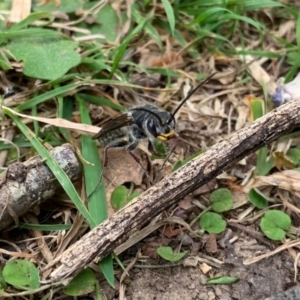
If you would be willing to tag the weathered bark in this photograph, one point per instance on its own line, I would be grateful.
(24, 185)
(103, 239)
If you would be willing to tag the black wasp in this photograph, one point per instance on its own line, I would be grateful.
(140, 122)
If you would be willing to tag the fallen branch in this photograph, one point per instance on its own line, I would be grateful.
(24, 185)
(103, 239)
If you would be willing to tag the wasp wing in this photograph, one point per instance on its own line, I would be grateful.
(113, 124)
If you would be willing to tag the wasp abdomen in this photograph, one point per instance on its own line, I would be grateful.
(112, 136)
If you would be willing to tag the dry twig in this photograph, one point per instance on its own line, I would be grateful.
(103, 239)
(27, 184)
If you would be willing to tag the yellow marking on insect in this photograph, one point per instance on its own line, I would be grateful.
(165, 136)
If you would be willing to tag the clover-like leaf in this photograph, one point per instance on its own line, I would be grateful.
(84, 283)
(221, 199)
(212, 223)
(121, 196)
(257, 198)
(274, 224)
(21, 273)
(45, 59)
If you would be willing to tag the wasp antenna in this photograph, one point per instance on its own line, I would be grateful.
(192, 92)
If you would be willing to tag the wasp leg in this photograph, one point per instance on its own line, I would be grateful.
(175, 136)
(120, 144)
(131, 146)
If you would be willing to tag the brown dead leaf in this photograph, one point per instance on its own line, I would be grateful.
(233, 186)
(186, 203)
(123, 168)
(206, 188)
(243, 114)
(172, 60)
(240, 198)
(205, 268)
(169, 59)
(228, 77)
(287, 180)
(149, 248)
(211, 244)
(170, 231)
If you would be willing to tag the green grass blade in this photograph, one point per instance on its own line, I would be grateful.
(122, 48)
(31, 19)
(45, 227)
(149, 29)
(97, 202)
(30, 33)
(48, 95)
(170, 15)
(101, 101)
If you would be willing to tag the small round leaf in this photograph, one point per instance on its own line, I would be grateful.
(119, 196)
(221, 199)
(274, 224)
(212, 223)
(258, 199)
(21, 273)
(82, 284)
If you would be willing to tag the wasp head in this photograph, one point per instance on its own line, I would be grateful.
(161, 127)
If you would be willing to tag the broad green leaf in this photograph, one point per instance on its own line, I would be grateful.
(2, 281)
(167, 253)
(294, 155)
(4, 65)
(82, 284)
(119, 197)
(45, 59)
(221, 200)
(132, 196)
(109, 23)
(274, 224)
(258, 199)
(212, 223)
(21, 273)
